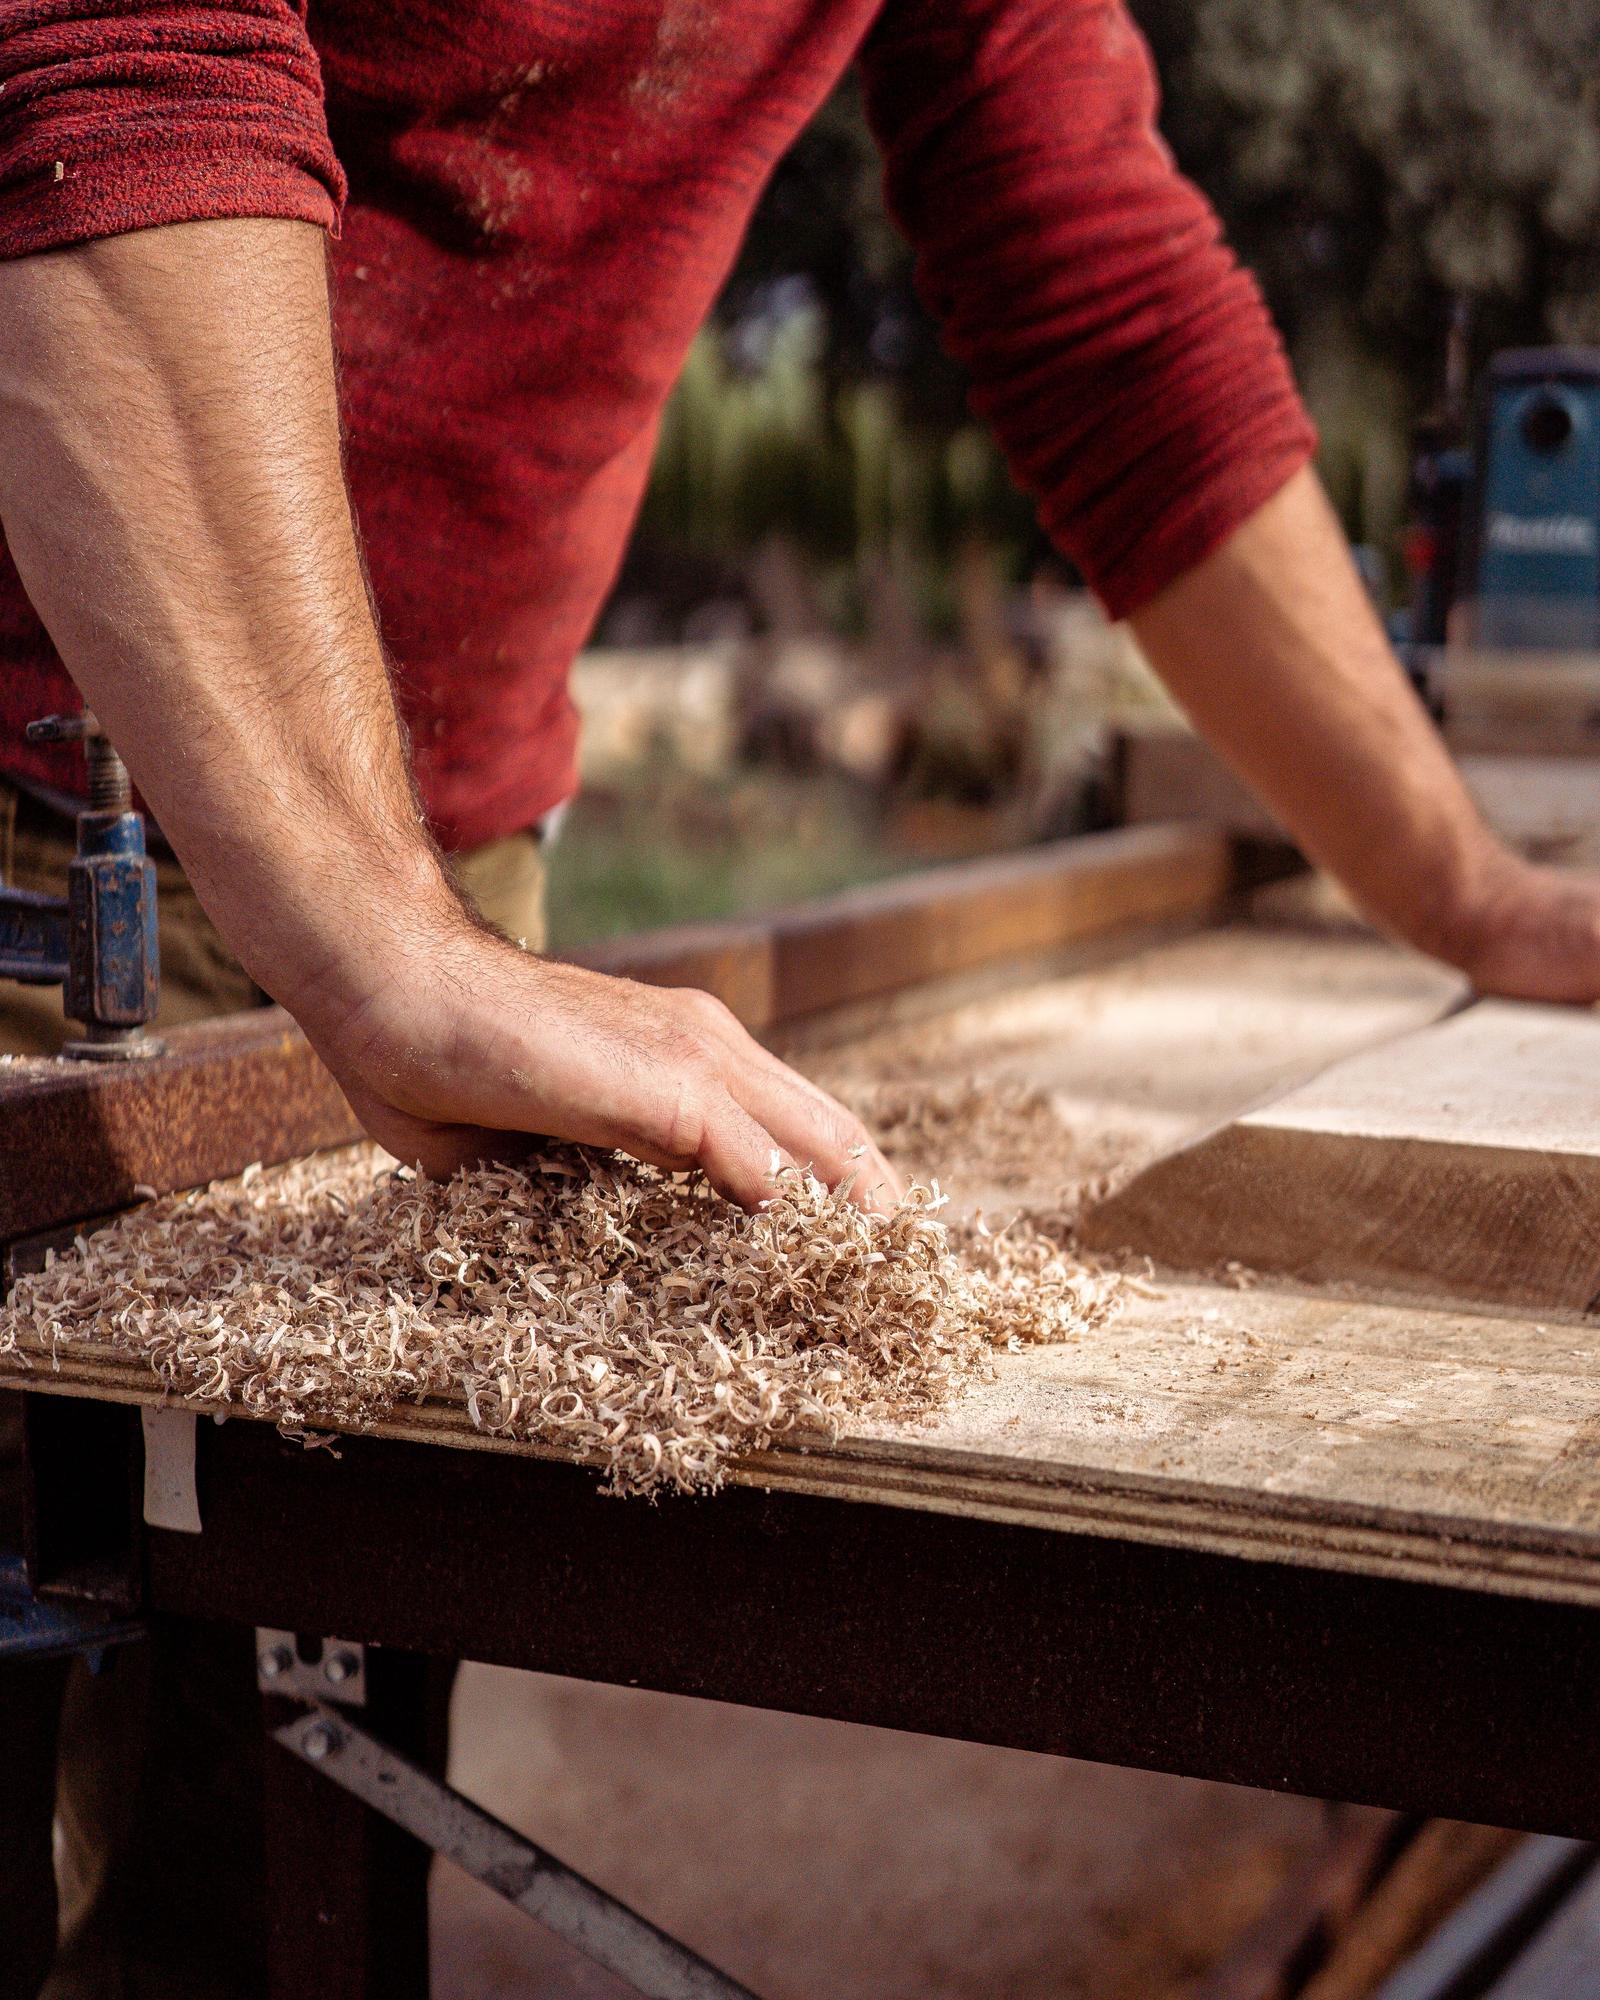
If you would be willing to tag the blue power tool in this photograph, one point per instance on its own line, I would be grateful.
(98, 942)
(1537, 524)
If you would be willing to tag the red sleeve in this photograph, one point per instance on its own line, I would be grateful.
(121, 114)
(1123, 358)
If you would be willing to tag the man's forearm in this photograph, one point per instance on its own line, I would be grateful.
(1273, 648)
(171, 488)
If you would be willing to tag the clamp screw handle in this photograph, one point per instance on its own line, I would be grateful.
(61, 728)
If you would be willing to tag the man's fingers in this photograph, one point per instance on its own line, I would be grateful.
(671, 1078)
(737, 1155)
(815, 1127)
(818, 1132)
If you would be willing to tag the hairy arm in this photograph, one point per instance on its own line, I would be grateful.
(1272, 646)
(171, 491)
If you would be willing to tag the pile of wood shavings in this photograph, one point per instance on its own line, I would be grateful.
(587, 1303)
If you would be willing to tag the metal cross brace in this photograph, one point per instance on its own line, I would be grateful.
(496, 1855)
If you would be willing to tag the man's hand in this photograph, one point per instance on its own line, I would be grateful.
(171, 490)
(670, 1077)
(1534, 934)
(1272, 646)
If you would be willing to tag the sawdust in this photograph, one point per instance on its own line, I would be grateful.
(586, 1303)
(981, 1132)
(1005, 1134)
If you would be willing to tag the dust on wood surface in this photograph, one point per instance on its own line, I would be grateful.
(1036, 1096)
(1460, 1163)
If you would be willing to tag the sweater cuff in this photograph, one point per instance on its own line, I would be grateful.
(117, 115)
(64, 204)
(1197, 526)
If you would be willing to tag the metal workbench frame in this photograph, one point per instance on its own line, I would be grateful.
(1472, 1705)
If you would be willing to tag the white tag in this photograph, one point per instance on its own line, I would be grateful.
(171, 1499)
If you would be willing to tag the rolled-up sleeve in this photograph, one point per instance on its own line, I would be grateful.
(124, 114)
(1122, 356)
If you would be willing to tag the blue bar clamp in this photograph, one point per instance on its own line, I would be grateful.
(98, 942)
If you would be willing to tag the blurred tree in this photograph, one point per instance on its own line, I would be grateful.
(822, 220)
(1377, 160)
(819, 403)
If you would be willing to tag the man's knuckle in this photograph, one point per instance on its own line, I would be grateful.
(707, 1014)
(678, 1128)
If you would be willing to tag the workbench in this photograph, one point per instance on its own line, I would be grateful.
(1341, 1546)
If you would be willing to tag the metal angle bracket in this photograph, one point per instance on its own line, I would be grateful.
(535, 1882)
(336, 1672)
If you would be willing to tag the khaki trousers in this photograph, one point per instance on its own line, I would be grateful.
(130, 1864)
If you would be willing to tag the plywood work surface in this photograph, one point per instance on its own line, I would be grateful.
(1452, 1446)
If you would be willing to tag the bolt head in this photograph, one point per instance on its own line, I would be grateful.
(340, 1667)
(273, 1662)
(320, 1741)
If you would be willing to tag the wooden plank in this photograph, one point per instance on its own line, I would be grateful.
(935, 924)
(948, 921)
(1440, 1867)
(1563, 1961)
(1484, 1934)
(1547, 806)
(1314, 1905)
(1522, 700)
(1461, 1162)
(1544, 800)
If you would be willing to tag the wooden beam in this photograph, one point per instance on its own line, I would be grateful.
(1459, 1163)
(936, 923)
(78, 1139)
(1314, 1906)
(891, 935)
(1536, 789)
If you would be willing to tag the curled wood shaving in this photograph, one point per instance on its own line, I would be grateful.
(587, 1303)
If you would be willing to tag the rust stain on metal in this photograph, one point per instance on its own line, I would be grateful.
(78, 1138)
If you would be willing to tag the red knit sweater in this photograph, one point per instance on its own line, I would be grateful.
(543, 198)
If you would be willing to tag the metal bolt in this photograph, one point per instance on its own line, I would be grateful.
(321, 1741)
(109, 786)
(274, 1661)
(341, 1667)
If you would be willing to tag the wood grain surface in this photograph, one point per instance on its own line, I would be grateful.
(1458, 1163)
